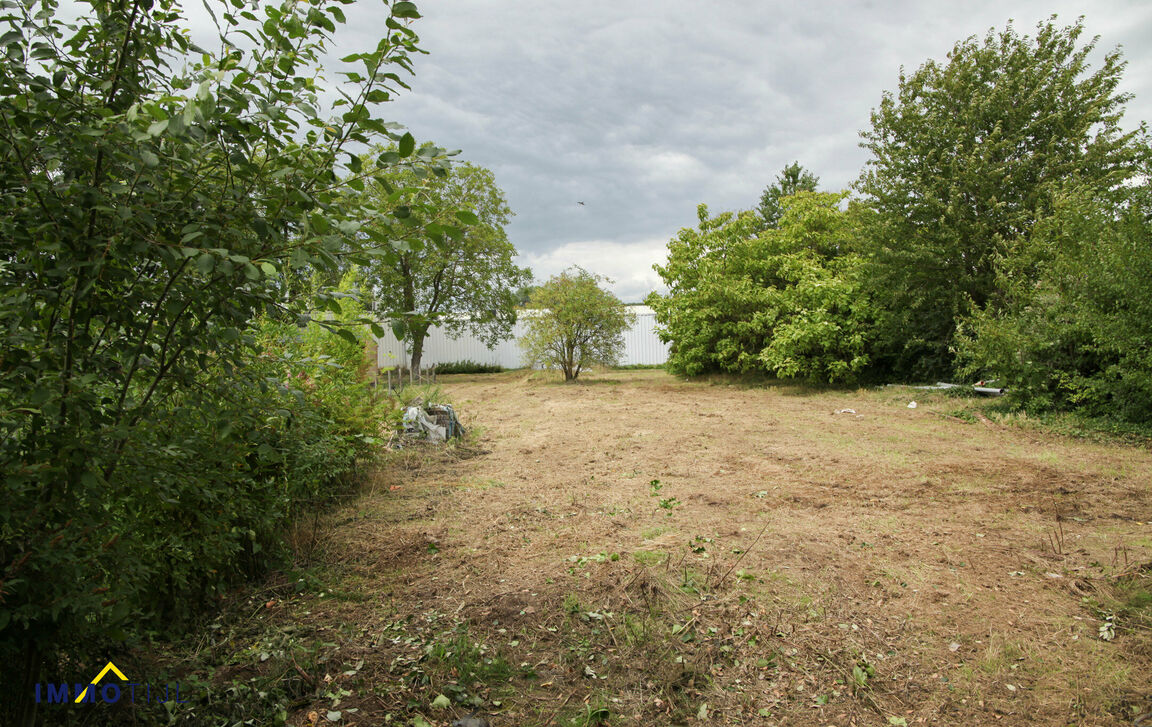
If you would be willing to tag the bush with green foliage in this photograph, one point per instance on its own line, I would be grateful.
(1073, 330)
(785, 301)
(157, 200)
(468, 366)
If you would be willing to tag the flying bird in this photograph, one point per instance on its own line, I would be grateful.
(580, 203)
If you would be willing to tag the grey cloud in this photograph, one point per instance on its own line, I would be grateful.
(644, 109)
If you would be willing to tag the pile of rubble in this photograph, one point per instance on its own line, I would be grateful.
(435, 423)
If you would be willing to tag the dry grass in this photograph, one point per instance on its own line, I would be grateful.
(791, 565)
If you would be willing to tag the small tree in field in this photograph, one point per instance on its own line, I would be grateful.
(577, 324)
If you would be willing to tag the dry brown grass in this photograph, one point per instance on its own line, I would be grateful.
(894, 563)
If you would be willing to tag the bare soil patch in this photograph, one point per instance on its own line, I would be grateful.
(635, 549)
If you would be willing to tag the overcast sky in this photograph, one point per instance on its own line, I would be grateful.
(644, 109)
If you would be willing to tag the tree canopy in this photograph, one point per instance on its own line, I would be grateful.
(967, 156)
(1003, 233)
(784, 301)
(792, 179)
(575, 324)
(450, 261)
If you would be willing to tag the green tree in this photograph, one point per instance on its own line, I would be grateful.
(454, 265)
(153, 195)
(1074, 325)
(712, 314)
(786, 301)
(966, 157)
(792, 179)
(524, 293)
(576, 324)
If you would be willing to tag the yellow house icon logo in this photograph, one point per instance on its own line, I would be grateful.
(109, 693)
(109, 668)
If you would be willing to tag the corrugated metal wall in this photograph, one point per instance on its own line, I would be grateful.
(641, 346)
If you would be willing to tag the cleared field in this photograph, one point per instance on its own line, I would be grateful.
(634, 549)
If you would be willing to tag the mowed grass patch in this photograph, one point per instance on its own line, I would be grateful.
(790, 564)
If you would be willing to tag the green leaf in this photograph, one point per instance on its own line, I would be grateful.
(405, 10)
(407, 145)
(150, 159)
(347, 335)
(441, 702)
(268, 268)
(157, 128)
(206, 263)
(399, 329)
(468, 217)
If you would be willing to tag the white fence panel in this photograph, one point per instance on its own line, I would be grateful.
(641, 346)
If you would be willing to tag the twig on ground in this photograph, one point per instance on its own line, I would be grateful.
(746, 551)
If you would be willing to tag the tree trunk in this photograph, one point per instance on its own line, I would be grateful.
(25, 705)
(417, 351)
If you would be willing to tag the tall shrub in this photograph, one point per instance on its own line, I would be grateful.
(154, 196)
(967, 156)
(1075, 328)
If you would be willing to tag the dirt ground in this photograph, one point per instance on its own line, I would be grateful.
(636, 549)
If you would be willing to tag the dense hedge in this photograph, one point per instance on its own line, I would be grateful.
(468, 367)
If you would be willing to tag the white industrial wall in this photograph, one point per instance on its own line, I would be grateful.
(641, 346)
